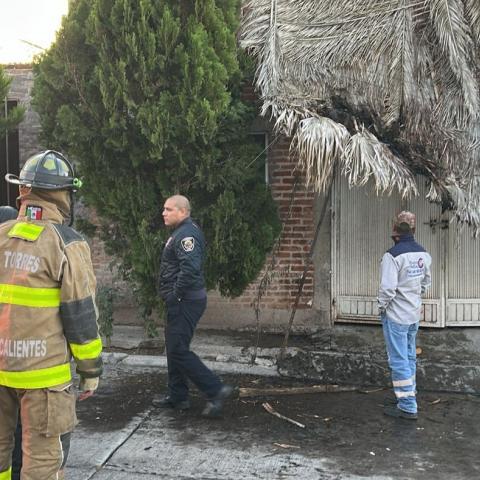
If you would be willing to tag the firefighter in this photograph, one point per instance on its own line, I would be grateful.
(47, 315)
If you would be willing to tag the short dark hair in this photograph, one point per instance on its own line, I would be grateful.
(403, 228)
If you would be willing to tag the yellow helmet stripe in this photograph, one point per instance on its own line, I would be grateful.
(87, 351)
(29, 297)
(26, 231)
(32, 379)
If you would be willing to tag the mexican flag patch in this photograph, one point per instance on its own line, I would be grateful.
(34, 213)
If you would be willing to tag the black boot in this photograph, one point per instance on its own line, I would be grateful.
(169, 402)
(394, 411)
(214, 406)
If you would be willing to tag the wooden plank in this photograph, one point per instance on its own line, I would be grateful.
(265, 392)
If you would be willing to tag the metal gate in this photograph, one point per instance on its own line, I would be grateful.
(361, 230)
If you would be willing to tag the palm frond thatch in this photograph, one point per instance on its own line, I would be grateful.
(365, 157)
(455, 40)
(398, 75)
(473, 17)
(319, 142)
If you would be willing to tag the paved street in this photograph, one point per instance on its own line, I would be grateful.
(346, 436)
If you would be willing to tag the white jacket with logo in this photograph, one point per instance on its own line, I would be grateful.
(405, 275)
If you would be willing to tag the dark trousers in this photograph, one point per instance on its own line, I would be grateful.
(183, 364)
(17, 452)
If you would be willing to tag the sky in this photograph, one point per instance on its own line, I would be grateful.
(32, 21)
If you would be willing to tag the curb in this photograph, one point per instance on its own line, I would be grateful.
(231, 365)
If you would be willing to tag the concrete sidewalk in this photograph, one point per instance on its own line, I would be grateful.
(225, 352)
(345, 355)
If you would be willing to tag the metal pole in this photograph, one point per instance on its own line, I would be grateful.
(7, 163)
(267, 176)
(306, 267)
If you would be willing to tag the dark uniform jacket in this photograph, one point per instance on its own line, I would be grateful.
(181, 270)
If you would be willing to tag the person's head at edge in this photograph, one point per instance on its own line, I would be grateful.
(175, 210)
(403, 224)
(7, 213)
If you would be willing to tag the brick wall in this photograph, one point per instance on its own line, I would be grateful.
(294, 243)
(296, 211)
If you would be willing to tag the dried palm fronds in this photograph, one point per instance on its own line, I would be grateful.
(366, 157)
(318, 143)
(406, 71)
(472, 12)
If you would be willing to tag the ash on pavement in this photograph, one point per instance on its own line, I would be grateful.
(347, 429)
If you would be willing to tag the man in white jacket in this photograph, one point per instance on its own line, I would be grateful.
(405, 276)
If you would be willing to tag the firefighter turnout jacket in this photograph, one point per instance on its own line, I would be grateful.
(47, 303)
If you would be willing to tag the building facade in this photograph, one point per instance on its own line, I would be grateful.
(341, 281)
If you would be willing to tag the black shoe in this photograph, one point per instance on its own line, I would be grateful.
(168, 402)
(214, 406)
(394, 411)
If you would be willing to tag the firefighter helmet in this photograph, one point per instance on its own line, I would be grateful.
(48, 170)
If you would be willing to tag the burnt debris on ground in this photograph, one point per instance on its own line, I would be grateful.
(345, 427)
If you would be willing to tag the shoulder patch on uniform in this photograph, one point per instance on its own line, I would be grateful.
(26, 231)
(188, 244)
(34, 212)
(67, 234)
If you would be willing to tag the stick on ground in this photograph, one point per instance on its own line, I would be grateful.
(272, 411)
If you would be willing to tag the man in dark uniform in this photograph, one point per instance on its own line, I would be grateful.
(182, 287)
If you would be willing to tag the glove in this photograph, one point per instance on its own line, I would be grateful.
(88, 384)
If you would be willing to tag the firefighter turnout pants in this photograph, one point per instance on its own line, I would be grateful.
(48, 416)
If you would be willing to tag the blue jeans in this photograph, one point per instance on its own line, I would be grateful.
(402, 360)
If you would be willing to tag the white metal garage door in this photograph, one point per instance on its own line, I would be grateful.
(361, 234)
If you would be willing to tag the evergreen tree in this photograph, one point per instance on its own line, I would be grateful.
(15, 115)
(145, 94)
